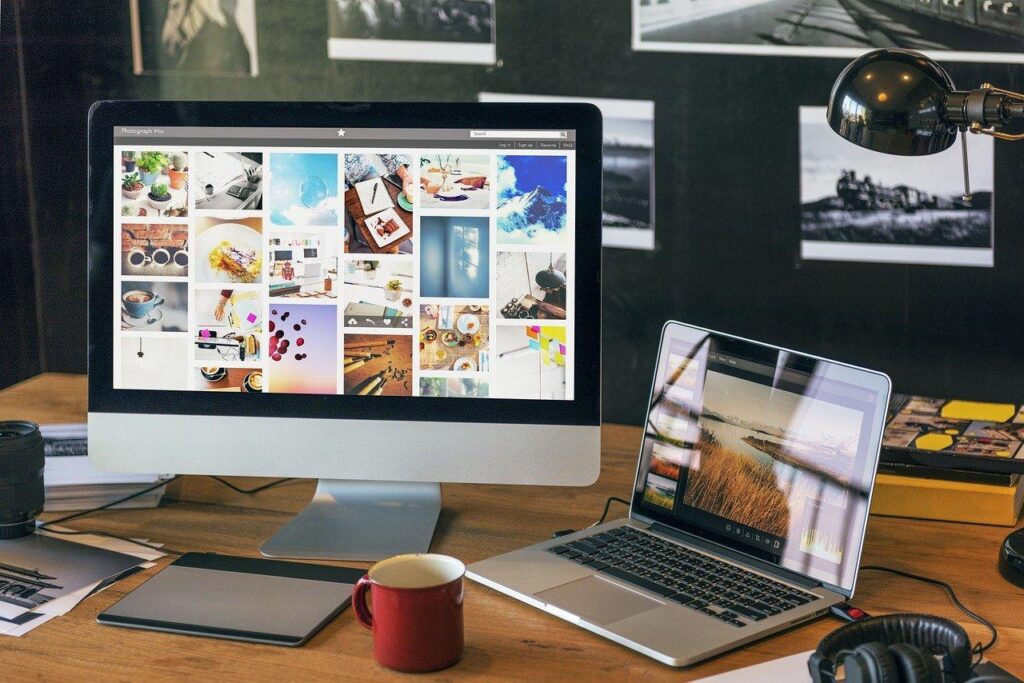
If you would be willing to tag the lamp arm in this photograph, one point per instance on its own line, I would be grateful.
(985, 110)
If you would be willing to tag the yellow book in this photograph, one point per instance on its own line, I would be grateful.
(952, 501)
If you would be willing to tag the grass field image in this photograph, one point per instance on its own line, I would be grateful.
(666, 461)
(736, 486)
(660, 491)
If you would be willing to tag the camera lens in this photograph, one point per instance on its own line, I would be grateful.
(21, 478)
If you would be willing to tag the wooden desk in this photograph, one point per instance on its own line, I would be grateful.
(504, 638)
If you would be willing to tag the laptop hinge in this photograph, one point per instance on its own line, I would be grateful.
(753, 562)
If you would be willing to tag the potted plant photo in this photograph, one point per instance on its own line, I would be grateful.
(131, 186)
(150, 164)
(128, 161)
(159, 196)
(393, 289)
(178, 170)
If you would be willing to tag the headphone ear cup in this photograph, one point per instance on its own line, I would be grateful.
(871, 663)
(915, 665)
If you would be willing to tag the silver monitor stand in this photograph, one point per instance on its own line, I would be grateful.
(361, 521)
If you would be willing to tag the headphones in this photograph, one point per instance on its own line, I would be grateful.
(898, 648)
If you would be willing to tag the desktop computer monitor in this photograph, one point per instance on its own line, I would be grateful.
(380, 296)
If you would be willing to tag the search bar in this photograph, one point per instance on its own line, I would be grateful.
(528, 134)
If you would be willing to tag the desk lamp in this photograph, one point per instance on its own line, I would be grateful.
(901, 102)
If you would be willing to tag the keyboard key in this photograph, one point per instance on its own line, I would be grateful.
(747, 612)
(583, 546)
(681, 598)
(596, 564)
(570, 554)
(558, 549)
(637, 581)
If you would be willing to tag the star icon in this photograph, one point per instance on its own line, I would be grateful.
(341, 132)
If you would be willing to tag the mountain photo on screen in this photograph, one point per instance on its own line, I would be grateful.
(532, 199)
(860, 205)
(627, 174)
(438, 31)
(976, 30)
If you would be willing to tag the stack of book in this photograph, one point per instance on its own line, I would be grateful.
(73, 484)
(951, 460)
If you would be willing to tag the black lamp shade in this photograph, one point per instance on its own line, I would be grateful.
(550, 279)
(893, 101)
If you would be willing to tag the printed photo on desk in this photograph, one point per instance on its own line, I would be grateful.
(445, 31)
(627, 174)
(532, 193)
(957, 31)
(378, 365)
(154, 183)
(207, 37)
(451, 181)
(532, 285)
(228, 181)
(229, 250)
(455, 337)
(922, 425)
(303, 189)
(303, 349)
(152, 362)
(859, 205)
(530, 362)
(378, 294)
(379, 198)
(229, 326)
(303, 265)
(154, 249)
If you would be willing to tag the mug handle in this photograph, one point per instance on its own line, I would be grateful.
(363, 614)
(158, 300)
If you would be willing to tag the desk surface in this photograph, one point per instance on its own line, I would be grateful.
(504, 638)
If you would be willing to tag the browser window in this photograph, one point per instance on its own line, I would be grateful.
(361, 261)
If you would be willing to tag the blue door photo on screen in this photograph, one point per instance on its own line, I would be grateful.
(303, 189)
(531, 199)
(455, 257)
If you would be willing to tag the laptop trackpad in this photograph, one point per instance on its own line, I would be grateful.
(597, 601)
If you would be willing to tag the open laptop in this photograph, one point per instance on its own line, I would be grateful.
(748, 510)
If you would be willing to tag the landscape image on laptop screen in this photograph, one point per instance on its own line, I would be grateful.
(770, 453)
(372, 262)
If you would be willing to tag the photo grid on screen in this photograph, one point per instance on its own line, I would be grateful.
(398, 270)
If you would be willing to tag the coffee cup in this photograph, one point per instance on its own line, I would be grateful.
(417, 611)
(137, 258)
(161, 256)
(181, 258)
(140, 303)
(253, 382)
(213, 374)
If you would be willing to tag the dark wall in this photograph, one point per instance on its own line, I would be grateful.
(728, 223)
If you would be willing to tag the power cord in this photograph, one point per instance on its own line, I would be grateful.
(46, 526)
(607, 505)
(978, 649)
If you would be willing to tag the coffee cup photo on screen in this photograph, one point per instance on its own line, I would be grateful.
(154, 306)
(218, 378)
(153, 362)
(530, 362)
(154, 249)
(532, 199)
(303, 349)
(455, 181)
(303, 189)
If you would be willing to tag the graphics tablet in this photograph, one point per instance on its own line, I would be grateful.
(238, 598)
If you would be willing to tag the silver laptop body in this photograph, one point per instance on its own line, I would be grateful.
(800, 437)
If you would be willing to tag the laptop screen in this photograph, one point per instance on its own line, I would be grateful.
(764, 450)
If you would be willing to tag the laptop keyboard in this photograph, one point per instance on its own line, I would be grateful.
(700, 582)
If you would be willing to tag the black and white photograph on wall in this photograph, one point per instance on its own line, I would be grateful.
(860, 205)
(437, 31)
(628, 171)
(209, 37)
(975, 30)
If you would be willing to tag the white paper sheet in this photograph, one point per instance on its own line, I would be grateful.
(791, 669)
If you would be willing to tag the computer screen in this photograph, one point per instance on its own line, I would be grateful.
(768, 451)
(403, 262)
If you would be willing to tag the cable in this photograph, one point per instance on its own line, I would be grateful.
(46, 526)
(978, 649)
(607, 505)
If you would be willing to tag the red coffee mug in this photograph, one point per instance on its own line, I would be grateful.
(417, 611)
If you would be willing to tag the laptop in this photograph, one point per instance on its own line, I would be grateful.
(748, 510)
